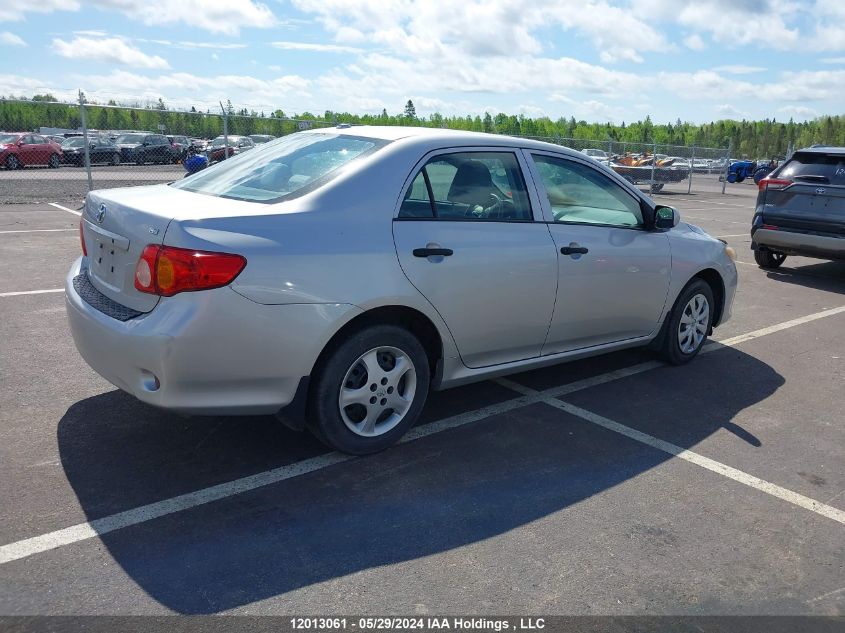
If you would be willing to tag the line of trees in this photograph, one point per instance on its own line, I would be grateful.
(752, 139)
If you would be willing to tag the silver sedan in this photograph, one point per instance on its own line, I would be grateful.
(334, 277)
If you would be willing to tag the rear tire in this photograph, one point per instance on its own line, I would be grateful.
(115, 160)
(54, 161)
(768, 259)
(689, 323)
(382, 374)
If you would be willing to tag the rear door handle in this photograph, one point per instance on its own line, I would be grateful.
(574, 250)
(432, 252)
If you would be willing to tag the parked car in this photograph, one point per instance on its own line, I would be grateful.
(101, 149)
(335, 277)
(21, 149)
(598, 154)
(237, 144)
(258, 139)
(179, 147)
(144, 148)
(801, 208)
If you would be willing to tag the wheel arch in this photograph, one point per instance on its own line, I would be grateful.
(411, 319)
(713, 278)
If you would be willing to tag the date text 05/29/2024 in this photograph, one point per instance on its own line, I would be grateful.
(428, 623)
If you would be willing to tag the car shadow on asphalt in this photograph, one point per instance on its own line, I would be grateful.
(432, 495)
(826, 275)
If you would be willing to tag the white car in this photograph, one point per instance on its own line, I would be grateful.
(334, 277)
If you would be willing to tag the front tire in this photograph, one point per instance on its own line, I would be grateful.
(370, 390)
(13, 162)
(689, 323)
(115, 160)
(768, 259)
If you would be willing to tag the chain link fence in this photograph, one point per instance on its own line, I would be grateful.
(58, 151)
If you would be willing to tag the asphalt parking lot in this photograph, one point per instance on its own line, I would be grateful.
(613, 485)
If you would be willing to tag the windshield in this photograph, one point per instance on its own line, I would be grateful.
(281, 169)
(74, 142)
(220, 141)
(9, 138)
(130, 138)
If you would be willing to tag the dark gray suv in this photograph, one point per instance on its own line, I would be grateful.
(801, 208)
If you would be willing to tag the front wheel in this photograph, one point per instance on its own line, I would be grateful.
(370, 390)
(768, 259)
(688, 324)
(13, 162)
(115, 160)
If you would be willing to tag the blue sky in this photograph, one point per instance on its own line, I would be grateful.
(599, 60)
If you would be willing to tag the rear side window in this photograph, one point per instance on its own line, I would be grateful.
(282, 169)
(469, 186)
(816, 168)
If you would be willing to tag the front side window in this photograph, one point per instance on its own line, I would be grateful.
(580, 194)
(469, 186)
(282, 169)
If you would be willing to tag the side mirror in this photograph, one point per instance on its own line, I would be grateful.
(666, 217)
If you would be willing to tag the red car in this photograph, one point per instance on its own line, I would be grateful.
(19, 149)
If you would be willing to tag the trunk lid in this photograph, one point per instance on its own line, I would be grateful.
(118, 224)
(135, 217)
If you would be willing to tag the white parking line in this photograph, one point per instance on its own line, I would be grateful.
(58, 206)
(38, 231)
(30, 292)
(91, 529)
(705, 462)
(737, 235)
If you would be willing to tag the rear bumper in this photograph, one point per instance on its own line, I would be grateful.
(205, 353)
(792, 243)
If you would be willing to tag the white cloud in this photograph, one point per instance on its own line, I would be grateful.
(739, 69)
(16, 10)
(727, 110)
(183, 90)
(484, 28)
(187, 45)
(111, 50)
(317, 48)
(832, 60)
(694, 42)
(732, 23)
(799, 112)
(216, 16)
(10, 39)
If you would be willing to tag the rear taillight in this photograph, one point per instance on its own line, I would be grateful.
(167, 270)
(773, 183)
(82, 238)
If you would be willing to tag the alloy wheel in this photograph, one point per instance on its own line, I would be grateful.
(377, 391)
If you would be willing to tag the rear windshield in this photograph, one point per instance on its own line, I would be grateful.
(282, 169)
(817, 168)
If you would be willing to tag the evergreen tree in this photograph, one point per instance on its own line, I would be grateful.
(410, 110)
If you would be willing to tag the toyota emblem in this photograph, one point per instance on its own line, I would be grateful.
(101, 213)
(821, 190)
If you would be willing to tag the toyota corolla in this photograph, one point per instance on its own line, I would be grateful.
(334, 277)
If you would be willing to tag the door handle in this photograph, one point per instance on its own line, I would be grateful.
(432, 252)
(574, 249)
